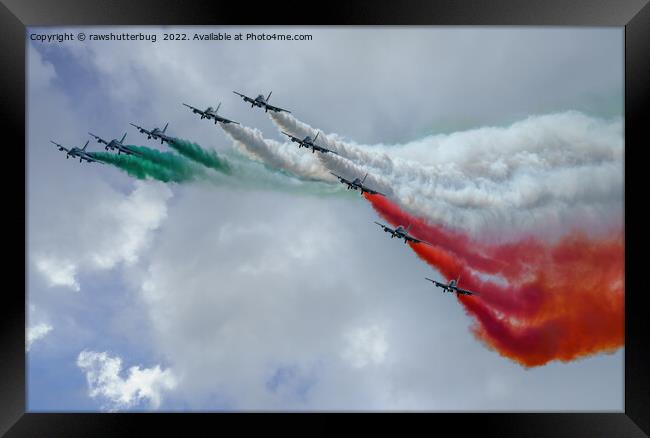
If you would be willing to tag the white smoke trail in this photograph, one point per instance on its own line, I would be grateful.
(560, 170)
(349, 170)
(565, 139)
(350, 151)
(284, 156)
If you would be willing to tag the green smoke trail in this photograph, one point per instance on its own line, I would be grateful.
(196, 153)
(242, 173)
(176, 163)
(141, 168)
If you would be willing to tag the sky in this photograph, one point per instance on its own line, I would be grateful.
(273, 291)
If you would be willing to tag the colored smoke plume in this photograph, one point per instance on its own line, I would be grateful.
(179, 164)
(559, 301)
(284, 156)
(141, 168)
(547, 173)
(196, 153)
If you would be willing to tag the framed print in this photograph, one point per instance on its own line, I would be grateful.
(392, 209)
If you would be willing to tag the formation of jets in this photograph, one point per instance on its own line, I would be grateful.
(400, 232)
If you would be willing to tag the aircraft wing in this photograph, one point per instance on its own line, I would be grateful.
(91, 159)
(277, 109)
(387, 229)
(196, 110)
(141, 129)
(343, 180)
(463, 291)
(322, 149)
(414, 240)
(99, 139)
(371, 191)
(437, 283)
(225, 120)
(61, 148)
(130, 151)
(246, 98)
(292, 137)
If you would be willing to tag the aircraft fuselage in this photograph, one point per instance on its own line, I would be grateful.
(78, 153)
(113, 144)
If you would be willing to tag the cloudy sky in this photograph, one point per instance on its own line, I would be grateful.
(151, 296)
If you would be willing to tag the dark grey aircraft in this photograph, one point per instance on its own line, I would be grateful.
(307, 142)
(401, 233)
(155, 133)
(76, 152)
(211, 113)
(116, 144)
(357, 184)
(451, 287)
(262, 102)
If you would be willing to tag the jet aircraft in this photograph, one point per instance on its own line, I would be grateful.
(261, 102)
(211, 113)
(357, 184)
(401, 233)
(116, 144)
(308, 143)
(77, 152)
(451, 287)
(155, 133)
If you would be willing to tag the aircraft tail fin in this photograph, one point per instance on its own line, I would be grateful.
(218, 106)
(316, 137)
(165, 128)
(408, 227)
(85, 146)
(364, 178)
(267, 99)
(123, 137)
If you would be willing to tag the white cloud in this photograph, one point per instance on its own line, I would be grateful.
(129, 223)
(138, 386)
(114, 229)
(41, 73)
(365, 346)
(57, 272)
(36, 332)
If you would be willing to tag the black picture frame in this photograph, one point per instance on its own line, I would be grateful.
(634, 15)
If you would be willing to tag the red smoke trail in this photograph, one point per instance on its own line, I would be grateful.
(564, 302)
(484, 258)
(592, 329)
(523, 300)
